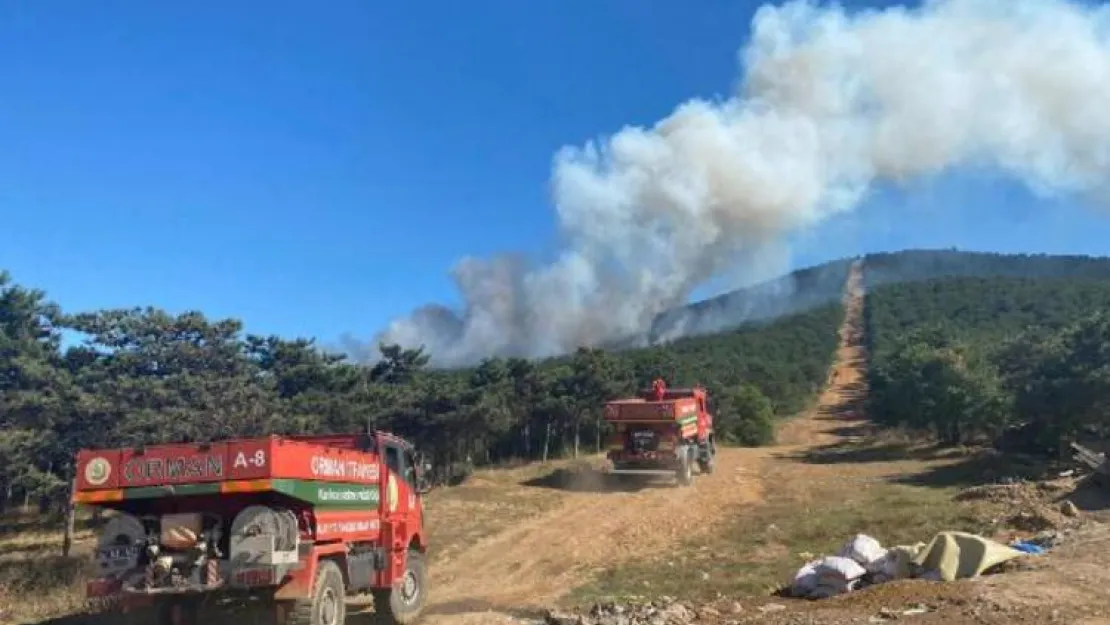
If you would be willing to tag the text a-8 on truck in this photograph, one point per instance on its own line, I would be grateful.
(663, 431)
(297, 523)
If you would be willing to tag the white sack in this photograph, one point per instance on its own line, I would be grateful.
(805, 580)
(846, 568)
(864, 549)
(838, 574)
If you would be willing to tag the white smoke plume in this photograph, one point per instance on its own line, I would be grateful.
(830, 104)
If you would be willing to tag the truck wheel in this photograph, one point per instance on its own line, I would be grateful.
(706, 461)
(706, 464)
(327, 606)
(685, 472)
(402, 604)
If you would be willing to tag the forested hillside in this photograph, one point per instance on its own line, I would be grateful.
(916, 265)
(819, 285)
(980, 310)
(1022, 362)
(799, 291)
(144, 376)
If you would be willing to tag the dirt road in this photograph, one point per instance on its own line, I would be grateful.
(540, 559)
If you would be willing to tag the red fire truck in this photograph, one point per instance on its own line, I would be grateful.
(300, 522)
(664, 431)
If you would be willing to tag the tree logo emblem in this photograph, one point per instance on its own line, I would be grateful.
(97, 471)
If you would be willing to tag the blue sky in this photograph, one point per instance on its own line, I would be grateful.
(316, 168)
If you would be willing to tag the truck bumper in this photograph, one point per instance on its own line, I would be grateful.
(648, 463)
(617, 471)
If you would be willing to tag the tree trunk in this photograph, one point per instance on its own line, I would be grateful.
(45, 501)
(71, 517)
(528, 438)
(547, 441)
(577, 436)
(597, 425)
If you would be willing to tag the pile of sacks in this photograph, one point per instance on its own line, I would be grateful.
(863, 562)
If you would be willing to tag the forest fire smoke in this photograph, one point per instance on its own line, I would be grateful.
(830, 104)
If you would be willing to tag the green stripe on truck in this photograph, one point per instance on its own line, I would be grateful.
(176, 490)
(320, 494)
(330, 494)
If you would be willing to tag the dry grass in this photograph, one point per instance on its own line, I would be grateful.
(36, 582)
(773, 542)
(762, 548)
(35, 589)
(486, 504)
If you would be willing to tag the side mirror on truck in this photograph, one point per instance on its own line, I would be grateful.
(423, 484)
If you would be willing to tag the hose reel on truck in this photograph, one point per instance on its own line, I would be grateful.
(263, 540)
(120, 544)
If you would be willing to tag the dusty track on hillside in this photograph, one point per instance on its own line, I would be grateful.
(847, 383)
(536, 562)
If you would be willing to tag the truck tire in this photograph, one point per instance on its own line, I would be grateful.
(403, 604)
(705, 465)
(327, 605)
(685, 472)
(707, 458)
